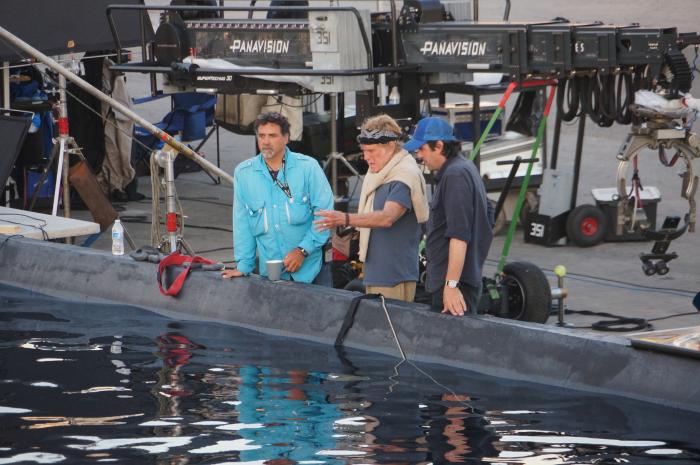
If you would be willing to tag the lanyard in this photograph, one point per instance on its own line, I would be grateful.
(275, 177)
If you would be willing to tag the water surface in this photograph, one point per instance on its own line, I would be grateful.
(115, 384)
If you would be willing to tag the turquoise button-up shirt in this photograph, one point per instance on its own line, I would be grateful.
(267, 221)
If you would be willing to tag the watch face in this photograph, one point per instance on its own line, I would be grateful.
(451, 283)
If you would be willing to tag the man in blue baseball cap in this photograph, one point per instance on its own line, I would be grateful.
(459, 231)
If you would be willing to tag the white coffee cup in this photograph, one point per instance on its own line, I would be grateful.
(274, 269)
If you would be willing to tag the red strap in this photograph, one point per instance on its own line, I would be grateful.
(176, 259)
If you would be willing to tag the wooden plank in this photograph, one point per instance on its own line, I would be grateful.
(9, 229)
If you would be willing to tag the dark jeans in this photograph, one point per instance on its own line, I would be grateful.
(471, 295)
(324, 277)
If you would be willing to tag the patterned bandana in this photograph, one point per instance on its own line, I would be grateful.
(376, 136)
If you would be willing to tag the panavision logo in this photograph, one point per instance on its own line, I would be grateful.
(260, 46)
(469, 48)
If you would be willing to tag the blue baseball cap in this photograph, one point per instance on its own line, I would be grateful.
(427, 129)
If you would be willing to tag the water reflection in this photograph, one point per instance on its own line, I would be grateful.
(54, 422)
(175, 350)
(455, 430)
(165, 393)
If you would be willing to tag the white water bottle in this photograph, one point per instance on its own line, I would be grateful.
(117, 238)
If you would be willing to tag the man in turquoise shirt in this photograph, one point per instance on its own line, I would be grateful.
(276, 194)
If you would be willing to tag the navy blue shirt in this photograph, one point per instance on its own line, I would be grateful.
(459, 209)
(392, 253)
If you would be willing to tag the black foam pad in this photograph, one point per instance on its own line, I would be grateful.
(13, 130)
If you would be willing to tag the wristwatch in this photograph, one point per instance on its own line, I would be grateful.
(452, 283)
(303, 251)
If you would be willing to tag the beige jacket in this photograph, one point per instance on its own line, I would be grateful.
(402, 167)
(116, 171)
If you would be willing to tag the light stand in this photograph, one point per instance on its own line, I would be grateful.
(334, 156)
(66, 146)
(166, 160)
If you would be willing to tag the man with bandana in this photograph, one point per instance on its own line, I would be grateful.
(392, 205)
(276, 194)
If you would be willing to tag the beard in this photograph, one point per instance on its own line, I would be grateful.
(267, 153)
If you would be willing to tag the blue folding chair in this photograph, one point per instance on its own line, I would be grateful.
(192, 113)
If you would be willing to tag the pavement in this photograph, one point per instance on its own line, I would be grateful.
(604, 278)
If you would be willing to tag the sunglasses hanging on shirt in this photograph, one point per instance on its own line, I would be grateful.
(275, 177)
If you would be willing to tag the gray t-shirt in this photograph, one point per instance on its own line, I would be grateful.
(459, 209)
(392, 254)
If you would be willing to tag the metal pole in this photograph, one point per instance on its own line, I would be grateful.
(577, 160)
(382, 89)
(394, 36)
(555, 142)
(64, 135)
(476, 125)
(166, 159)
(144, 53)
(560, 313)
(165, 137)
(506, 188)
(65, 156)
(340, 122)
(63, 152)
(59, 177)
(6, 84)
(334, 143)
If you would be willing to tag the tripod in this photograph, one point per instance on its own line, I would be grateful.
(82, 178)
(334, 157)
(165, 159)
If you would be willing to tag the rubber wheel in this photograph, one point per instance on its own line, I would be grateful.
(529, 294)
(586, 225)
(355, 285)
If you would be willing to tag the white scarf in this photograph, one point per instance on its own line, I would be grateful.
(401, 167)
